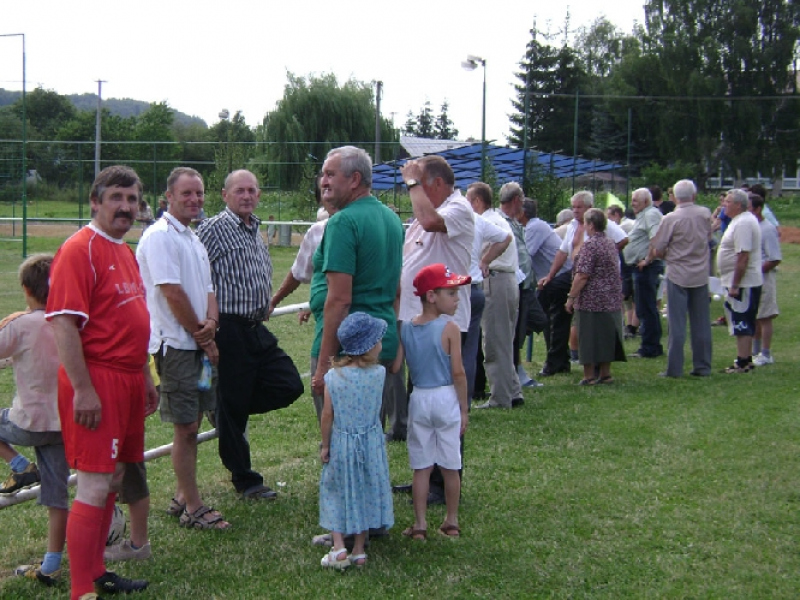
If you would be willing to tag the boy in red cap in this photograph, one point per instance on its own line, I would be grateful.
(437, 409)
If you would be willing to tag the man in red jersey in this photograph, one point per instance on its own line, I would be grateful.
(99, 314)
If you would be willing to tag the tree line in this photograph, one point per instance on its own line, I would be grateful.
(705, 85)
(700, 87)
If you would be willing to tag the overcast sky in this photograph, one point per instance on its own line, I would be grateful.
(204, 56)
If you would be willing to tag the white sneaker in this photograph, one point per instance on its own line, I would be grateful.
(762, 360)
(124, 551)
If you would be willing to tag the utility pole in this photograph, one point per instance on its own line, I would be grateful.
(378, 91)
(100, 83)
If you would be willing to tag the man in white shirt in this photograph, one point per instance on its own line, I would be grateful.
(500, 312)
(768, 307)
(183, 322)
(442, 232)
(739, 266)
(489, 243)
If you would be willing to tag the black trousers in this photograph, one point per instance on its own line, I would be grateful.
(255, 377)
(553, 297)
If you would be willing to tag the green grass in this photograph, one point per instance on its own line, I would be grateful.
(649, 488)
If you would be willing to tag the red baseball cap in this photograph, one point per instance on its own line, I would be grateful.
(437, 276)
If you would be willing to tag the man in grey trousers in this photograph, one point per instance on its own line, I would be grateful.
(682, 241)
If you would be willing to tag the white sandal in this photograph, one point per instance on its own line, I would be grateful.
(330, 560)
(354, 558)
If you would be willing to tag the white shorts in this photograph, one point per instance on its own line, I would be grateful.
(434, 424)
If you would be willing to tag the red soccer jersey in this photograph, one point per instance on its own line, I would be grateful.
(96, 278)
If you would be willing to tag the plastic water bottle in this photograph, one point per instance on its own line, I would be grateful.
(204, 382)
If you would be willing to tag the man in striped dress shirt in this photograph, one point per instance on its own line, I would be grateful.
(255, 375)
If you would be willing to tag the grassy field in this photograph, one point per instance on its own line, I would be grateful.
(649, 488)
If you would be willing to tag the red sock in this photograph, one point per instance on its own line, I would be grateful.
(103, 534)
(84, 525)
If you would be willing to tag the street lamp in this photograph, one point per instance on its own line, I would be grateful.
(223, 115)
(471, 64)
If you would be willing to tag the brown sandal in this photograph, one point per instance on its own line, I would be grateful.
(175, 508)
(204, 517)
(450, 531)
(419, 535)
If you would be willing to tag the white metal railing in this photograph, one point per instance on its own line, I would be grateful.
(32, 493)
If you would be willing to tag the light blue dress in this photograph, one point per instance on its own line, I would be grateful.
(354, 490)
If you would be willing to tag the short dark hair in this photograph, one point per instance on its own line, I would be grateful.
(616, 209)
(756, 200)
(34, 274)
(176, 174)
(759, 189)
(116, 175)
(655, 192)
(482, 191)
(530, 208)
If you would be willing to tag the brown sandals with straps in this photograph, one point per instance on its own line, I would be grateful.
(204, 517)
(419, 535)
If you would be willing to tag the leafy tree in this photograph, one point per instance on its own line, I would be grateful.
(45, 110)
(315, 115)
(234, 149)
(155, 160)
(195, 149)
(743, 50)
(82, 129)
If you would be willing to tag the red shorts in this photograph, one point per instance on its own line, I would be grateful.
(120, 436)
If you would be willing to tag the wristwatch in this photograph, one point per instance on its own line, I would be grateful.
(410, 183)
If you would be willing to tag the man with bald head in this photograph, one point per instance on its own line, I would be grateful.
(255, 375)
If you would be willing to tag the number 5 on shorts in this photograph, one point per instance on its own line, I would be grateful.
(114, 448)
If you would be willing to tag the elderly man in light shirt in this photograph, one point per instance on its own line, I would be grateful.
(682, 241)
(500, 313)
(490, 242)
(646, 273)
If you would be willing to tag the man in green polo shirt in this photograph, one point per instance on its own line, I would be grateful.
(357, 265)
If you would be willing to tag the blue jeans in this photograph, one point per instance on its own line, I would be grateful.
(645, 289)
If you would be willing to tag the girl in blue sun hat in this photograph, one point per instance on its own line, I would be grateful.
(354, 490)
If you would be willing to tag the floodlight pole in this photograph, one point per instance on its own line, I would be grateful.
(471, 64)
(98, 121)
(24, 151)
(378, 92)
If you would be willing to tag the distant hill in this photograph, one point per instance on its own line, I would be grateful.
(123, 107)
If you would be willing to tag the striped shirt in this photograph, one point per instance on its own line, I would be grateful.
(241, 268)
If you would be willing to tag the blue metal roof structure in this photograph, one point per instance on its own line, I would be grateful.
(506, 162)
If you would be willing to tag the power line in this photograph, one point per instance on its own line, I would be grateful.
(671, 98)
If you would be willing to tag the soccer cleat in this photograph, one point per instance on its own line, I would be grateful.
(762, 360)
(20, 481)
(124, 551)
(111, 583)
(35, 572)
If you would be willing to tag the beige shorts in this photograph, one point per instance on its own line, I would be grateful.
(769, 297)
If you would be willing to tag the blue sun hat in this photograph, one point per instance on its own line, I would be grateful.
(359, 332)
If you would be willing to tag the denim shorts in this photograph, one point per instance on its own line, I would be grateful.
(50, 459)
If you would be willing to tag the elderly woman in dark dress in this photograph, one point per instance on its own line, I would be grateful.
(596, 298)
